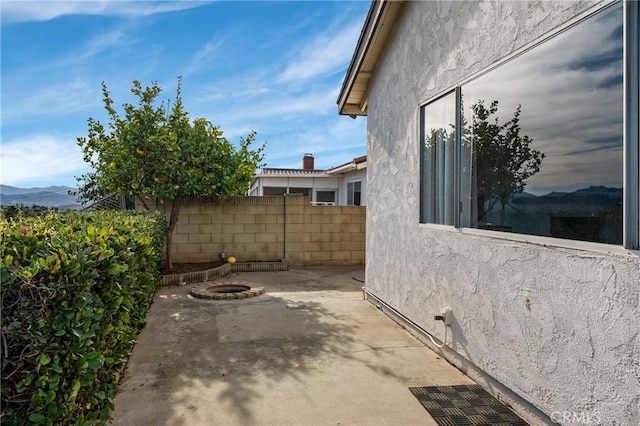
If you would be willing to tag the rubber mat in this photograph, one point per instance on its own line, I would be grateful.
(465, 405)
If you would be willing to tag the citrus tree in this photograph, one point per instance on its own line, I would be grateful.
(155, 151)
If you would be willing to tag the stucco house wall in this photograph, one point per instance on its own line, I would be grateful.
(559, 326)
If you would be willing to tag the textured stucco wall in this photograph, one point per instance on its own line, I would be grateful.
(559, 327)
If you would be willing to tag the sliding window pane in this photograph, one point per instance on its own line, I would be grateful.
(438, 160)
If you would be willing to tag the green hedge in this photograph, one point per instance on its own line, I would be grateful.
(75, 291)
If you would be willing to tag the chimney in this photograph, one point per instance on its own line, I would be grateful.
(307, 162)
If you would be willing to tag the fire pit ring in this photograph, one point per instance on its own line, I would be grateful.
(226, 291)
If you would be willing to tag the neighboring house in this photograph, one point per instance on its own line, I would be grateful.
(526, 227)
(344, 185)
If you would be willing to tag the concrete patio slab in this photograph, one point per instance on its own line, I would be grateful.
(310, 351)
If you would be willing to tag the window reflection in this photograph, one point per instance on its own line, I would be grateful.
(542, 138)
(438, 161)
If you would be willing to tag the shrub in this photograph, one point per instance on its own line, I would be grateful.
(75, 291)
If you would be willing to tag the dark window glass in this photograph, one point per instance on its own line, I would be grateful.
(273, 190)
(353, 193)
(542, 141)
(326, 196)
(303, 191)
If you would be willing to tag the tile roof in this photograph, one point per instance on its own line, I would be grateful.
(275, 171)
(354, 164)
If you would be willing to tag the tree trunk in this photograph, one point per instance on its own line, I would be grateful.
(173, 220)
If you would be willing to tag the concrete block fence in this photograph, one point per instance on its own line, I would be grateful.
(268, 228)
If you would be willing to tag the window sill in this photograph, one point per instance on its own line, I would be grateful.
(552, 242)
(539, 240)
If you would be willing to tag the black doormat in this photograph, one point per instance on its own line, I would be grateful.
(465, 405)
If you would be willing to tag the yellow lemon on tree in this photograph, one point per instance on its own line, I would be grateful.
(231, 259)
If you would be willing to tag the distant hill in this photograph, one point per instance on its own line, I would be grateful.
(600, 195)
(51, 196)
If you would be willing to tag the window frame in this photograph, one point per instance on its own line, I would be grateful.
(315, 196)
(352, 193)
(631, 111)
(456, 158)
(630, 149)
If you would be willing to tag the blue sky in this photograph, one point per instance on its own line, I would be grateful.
(272, 67)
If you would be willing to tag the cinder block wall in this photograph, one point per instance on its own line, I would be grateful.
(334, 235)
(267, 229)
(323, 235)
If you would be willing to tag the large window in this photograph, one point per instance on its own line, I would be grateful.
(534, 146)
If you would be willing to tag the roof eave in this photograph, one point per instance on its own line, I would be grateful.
(342, 169)
(377, 28)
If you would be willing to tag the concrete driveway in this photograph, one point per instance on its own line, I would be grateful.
(310, 351)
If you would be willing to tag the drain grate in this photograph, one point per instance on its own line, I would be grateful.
(464, 405)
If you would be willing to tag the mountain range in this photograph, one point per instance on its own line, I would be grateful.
(593, 194)
(51, 196)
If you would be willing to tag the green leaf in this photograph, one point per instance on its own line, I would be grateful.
(44, 359)
(92, 355)
(37, 418)
(87, 378)
(115, 269)
(74, 390)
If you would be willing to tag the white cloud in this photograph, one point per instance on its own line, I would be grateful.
(324, 55)
(73, 96)
(98, 44)
(45, 90)
(28, 10)
(332, 141)
(39, 159)
(339, 133)
(203, 57)
(238, 80)
(265, 106)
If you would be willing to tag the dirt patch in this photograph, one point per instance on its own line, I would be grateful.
(183, 268)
